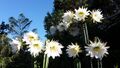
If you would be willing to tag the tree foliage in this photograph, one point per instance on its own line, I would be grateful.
(5, 51)
(19, 26)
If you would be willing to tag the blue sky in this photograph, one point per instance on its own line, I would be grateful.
(35, 10)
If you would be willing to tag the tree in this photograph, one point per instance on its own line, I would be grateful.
(5, 51)
(19, 26)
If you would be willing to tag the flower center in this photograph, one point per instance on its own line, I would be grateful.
(75, 50)
(95, 15)
(81, 13)
(53, 49)
(31, 38)
(36, 45)
(96, 48)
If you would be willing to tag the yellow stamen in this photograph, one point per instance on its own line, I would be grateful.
(53, 49)
(96, 48)
(81, 13)
(36, 45)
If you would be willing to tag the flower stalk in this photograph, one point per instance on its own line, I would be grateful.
(45, 61)
(100, 63)
(91, 64)
(35, 65)
(86, 38)
(77, 63)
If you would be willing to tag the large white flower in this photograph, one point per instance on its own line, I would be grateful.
(53, 48)
(96, 49)
(73, 50)
(81, 14)
(15, 45)
(29, 37)
(35, 47)
(53, 30)
(62, 26)
(96, 15)
(68, 16)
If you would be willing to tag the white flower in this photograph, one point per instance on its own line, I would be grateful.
(53, 30)
(73, 50)
(29, 37)
(15, 45)
(81, 14)
(35, 48)
(68, 16)
(62, 26)
(96, 49)
(96, 16)
(74, 31)
(53, 48)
